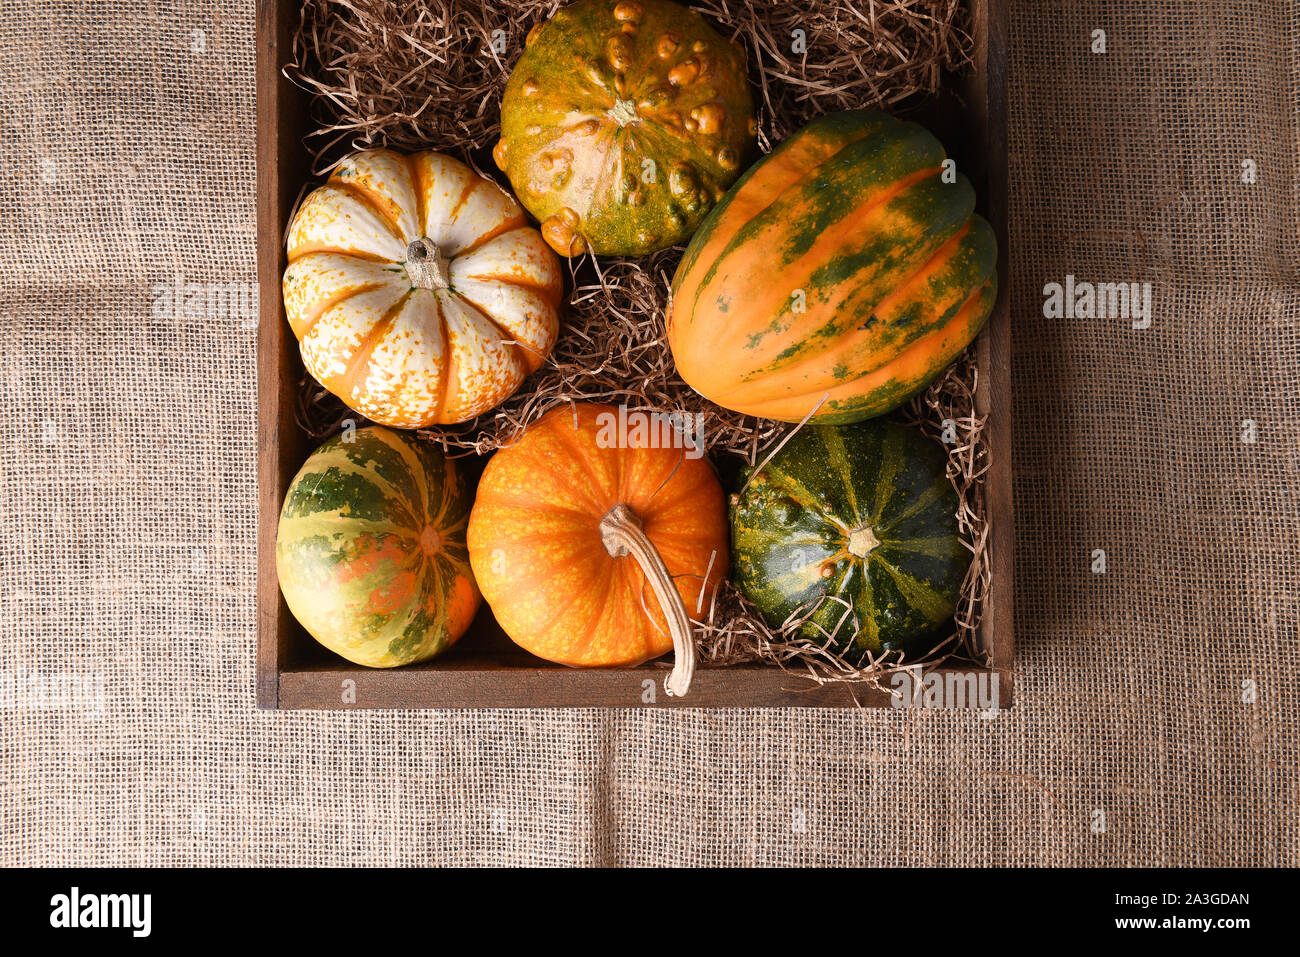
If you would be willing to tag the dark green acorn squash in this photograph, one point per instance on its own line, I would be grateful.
(856, 524)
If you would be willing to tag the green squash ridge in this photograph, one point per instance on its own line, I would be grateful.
(821, 208)
(890, 466)
(932, 605)
(936, 546)
(334, 490)
(345, 467)
(806, 188)
(367, 452)
(938, 489)
(801, 494)
(830, 124)
(837, 455)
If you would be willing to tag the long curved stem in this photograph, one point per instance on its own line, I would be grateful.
(623, 535)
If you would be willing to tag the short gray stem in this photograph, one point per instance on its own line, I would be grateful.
(426, 266)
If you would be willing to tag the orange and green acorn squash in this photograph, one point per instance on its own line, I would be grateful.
(854, 528)
(371, 550)
(623, 122)
(842, 273)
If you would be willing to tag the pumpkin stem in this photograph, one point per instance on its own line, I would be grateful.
(862, 541)
(426, 266)
(622, 534)
(623, 112)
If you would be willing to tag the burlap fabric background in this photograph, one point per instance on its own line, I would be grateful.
(127, 483)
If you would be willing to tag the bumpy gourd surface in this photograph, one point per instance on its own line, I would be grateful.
(397, 352)
(371, 549)
(841, 270)
(622, 123)
(537, 553)
(862, 513)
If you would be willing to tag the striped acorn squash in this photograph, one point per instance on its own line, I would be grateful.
(841, 269)
(864, 513)
(371, 549)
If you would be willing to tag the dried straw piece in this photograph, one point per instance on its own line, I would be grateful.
(612, 349)
(406, 75)
(427, 76)
(811, 58)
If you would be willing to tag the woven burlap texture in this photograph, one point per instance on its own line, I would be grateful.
(1157, 707)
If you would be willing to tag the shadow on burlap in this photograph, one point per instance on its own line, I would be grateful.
(128, 493)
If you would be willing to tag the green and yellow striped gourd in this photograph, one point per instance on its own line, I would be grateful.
(371, 549)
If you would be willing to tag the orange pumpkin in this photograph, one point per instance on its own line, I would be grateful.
(595, 552)
(417, 289)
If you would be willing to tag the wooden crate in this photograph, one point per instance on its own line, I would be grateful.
(485, 669)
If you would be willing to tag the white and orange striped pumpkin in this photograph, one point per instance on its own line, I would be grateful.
(417, 290)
